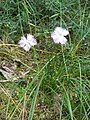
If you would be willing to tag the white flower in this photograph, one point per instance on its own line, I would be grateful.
(58, 35)
(27, 43)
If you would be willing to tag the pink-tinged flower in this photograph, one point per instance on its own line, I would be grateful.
(58, 35)
(27, 43)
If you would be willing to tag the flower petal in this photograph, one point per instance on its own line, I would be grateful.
(23, 38)
(21, 43)
(56, 40)
(33, 42)
(29, 37)
(27, 47)
(55, 37)
(62, 40)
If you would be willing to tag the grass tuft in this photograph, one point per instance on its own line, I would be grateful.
(51, 81)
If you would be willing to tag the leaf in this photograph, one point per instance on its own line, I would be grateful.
(7, 75)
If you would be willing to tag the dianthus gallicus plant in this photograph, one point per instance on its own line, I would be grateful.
(27, 43)
(58, 35)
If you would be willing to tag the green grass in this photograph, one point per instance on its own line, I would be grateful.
(50, 82)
